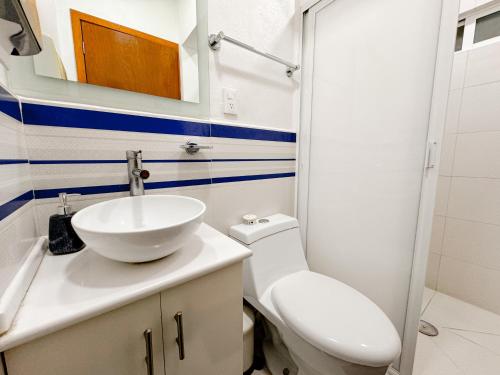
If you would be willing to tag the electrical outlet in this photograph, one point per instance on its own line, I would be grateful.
(230, 109)
(230, 106)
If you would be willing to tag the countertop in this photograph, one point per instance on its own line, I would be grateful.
(72, 288)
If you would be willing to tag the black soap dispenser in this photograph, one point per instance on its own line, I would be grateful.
(62, 237)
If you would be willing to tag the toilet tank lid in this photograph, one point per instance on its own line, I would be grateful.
(264, 227)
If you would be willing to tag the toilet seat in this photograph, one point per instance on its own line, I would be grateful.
(336, 319)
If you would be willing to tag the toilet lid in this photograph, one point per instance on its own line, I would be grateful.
(336, 319)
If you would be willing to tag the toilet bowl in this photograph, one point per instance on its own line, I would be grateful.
(328, 327)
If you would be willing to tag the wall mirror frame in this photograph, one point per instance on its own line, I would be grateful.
(24, 82)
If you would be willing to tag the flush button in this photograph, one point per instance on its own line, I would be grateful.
(263, 221)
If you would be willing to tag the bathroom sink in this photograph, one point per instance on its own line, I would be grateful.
(139, 229)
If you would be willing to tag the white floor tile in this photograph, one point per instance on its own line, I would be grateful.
(469, 357)
(468, 342)
(431, 360)
(489, 341)
(446, 311)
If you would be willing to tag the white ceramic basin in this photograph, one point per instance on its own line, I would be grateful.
(139, 229)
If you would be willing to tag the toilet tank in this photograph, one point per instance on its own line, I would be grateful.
(277, 252)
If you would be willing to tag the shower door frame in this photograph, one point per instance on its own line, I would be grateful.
(437, 118)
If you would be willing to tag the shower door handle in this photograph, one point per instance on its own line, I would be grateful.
(431, 161)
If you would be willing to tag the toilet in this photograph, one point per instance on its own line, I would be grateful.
(328, 327)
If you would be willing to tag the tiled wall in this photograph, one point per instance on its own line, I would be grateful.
(472, 5)
(82, 150)
(465, 249)
(17, 221)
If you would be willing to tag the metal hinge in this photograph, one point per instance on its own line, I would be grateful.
(83, 47)
(431, 161)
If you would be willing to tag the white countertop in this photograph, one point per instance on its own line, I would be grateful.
(71, 288)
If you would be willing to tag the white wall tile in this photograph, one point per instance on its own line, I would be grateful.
(478, 155)
(480, 110)
(76, 175)
(472, 242)
(483, 65)
(50, 142)
(467, 5)
(471, 254)
(17, 236)
(453, 111)
(468, 282)
(431, 278)
(475, 199)
(18, 230)
(447, 155)
(442, 196)
(251, 168)
(231, 201)
(483, 2)
(458, 72)
(438, 225)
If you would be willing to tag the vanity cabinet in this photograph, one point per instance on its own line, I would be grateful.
(211, 324)
(210, 331)
(112, 343)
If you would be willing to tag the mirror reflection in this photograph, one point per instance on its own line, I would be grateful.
(145, 46)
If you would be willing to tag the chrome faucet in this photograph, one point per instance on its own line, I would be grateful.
(136, 174)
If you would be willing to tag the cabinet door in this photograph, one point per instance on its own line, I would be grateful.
(110, 344)
(211, 308)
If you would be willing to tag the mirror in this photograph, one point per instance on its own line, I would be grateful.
(144, 46)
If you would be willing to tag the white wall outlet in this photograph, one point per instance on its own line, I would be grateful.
(230, 104)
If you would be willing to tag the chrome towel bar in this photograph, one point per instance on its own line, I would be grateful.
(214, 41)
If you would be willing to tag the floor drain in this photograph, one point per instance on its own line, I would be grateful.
(427, 328)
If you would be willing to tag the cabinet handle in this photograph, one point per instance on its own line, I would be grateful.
(180, 334)
(148, 336)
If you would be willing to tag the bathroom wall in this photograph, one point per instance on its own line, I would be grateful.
(82, 150)
(17, 220)
(265, 95)
(465, 250)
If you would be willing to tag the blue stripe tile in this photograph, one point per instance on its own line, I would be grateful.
(227, 131)
(243, 160)
(9, 104)
(8, 208)
(89, 161)
(14, 161)
(180, 183)
(36, 162)
(103, 189)
(177, 161)
(83, 190)
(221, 180)
(37, 114)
